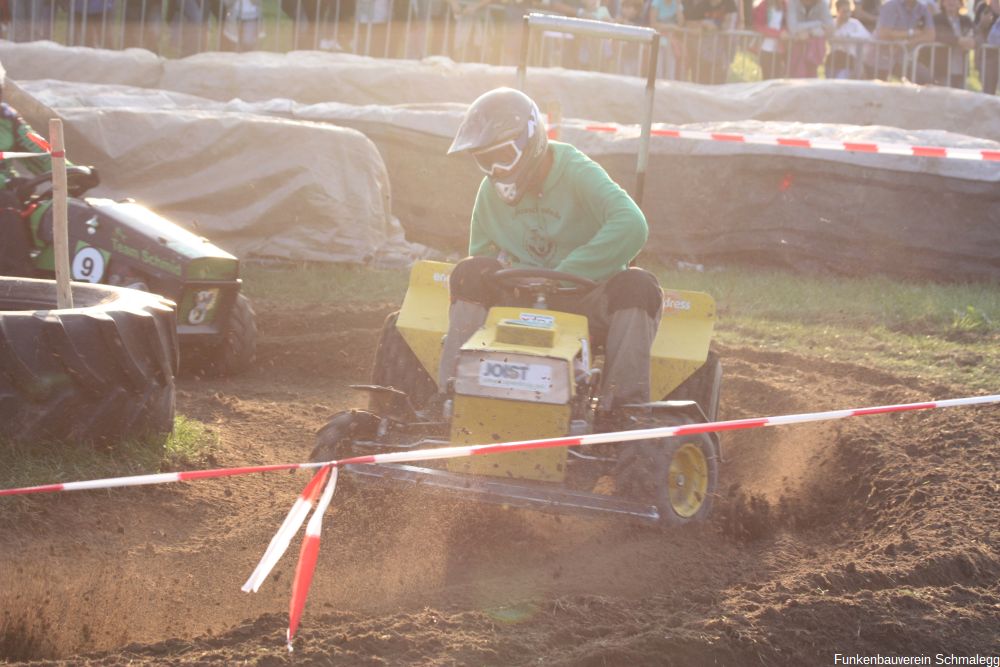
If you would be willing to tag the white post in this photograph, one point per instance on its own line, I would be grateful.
(60, 231)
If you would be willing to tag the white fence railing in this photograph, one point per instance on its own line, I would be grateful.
(467, 30)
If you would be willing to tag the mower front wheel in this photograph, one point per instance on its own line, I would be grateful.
(333, 440)
(239, 351)
(678, 475)
(236, 352)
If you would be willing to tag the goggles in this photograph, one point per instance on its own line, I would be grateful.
(502, 157)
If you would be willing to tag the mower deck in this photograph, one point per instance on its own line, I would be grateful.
(536, 496)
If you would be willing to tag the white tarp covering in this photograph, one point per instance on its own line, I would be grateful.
(258, 186)
(776, 199)
(310, 77)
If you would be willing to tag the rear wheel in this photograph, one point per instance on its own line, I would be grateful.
(678, 475)
(397, 366)
(334, 439)
(703, 387)
(238, 352)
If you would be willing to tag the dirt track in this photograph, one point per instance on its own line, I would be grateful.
(870, 535)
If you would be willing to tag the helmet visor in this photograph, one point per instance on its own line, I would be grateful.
(500, 158)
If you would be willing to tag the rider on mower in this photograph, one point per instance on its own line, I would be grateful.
(17, 136)
(544, 204)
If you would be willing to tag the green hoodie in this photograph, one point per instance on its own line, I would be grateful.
(582, 222)
(16, 136)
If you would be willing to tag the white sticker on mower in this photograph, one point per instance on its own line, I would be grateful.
(675, 303)
(535, 320)
(530, 377)
(88, 265)
(204, 302)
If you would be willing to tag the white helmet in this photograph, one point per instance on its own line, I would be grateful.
(503, 131)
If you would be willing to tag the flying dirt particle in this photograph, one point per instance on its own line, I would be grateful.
(747, 517)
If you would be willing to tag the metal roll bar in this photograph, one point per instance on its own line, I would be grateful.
(603, 30)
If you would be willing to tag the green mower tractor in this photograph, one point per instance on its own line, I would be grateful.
(125, 244)
(533, 373)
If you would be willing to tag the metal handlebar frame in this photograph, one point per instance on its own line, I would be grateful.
(603, 30)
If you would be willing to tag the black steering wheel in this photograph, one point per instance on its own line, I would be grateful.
(79, 179)
(544, 281)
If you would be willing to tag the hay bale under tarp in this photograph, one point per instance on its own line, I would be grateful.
(708, 203)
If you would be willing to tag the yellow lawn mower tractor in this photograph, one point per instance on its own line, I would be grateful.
(533, 373)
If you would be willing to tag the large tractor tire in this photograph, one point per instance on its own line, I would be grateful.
(397, 366)
(679, 475)
(101, 372)
(237, 351)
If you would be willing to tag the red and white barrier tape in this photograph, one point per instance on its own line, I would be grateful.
(5, 155)
(157, 478)
(279, 543)
(307, 499)
(308, 555)
(471, 450)
(661, 432)
(36, 139)
(988, 155)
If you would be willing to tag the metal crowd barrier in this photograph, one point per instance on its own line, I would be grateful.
(987, 62)
(466, 31)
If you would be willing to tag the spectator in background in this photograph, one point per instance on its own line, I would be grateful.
(426, 33)
(769, 21)
(373, 18)
(143, 19)
(30, 20)
(666, 17)
(188, 19)
(709, 51)
(592, 51)
(809, 25)
(993, 40)
(948, 64)
(633, 12)
(310, 17)
(242, 25)
(594, 10)
(469, 28)
(91, 23)
(867, 12)
(984, 19)
(847, 48)
(907, 23)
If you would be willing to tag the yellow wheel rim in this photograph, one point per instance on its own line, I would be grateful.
(688, 482)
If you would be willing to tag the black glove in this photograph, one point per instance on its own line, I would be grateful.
(9, 195)
(14, 183)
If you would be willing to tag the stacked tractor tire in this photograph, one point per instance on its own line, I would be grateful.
(100, 372)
